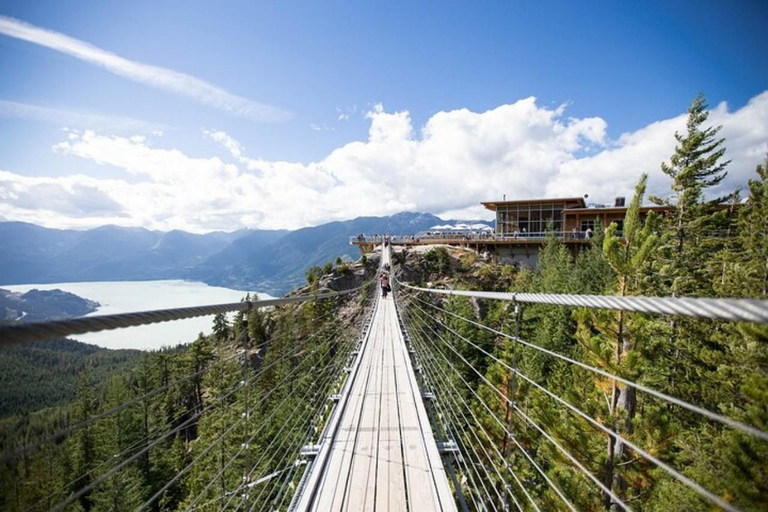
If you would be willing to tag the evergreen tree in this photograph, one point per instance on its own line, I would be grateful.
(592, 274)
(85, 439)
(221, 328)
(117, 433)
(752, 265)
(686, 262)
(612, 337)
(695, 166)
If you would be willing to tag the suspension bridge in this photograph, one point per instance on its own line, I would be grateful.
(391, 421)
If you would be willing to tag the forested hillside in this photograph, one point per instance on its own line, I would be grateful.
(177, 415)
(46, 374)
(699, 250)
(38, 305)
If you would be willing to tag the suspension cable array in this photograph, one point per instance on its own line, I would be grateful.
(13, 334)
(268, 407)
(272, 397)
(479, 413)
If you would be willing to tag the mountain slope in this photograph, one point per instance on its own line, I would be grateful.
(279, 266)
(272, 261)
(33, 254)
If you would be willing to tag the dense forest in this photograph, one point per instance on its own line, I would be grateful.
(198, 426)
(701, 248)
(220, 423)
(46, 374)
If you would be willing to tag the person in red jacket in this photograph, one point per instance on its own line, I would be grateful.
(384, 280)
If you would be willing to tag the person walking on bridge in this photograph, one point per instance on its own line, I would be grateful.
(385, 288)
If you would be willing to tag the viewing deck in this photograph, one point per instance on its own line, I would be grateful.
(368, 243)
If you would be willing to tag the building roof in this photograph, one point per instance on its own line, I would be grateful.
(576, 201)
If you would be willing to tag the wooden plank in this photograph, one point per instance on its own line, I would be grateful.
(420, 485)
(332, 486)
(362, 472)
(391, 495)
(440, 496)
(383, 455)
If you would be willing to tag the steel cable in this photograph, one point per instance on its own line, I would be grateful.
(437, 399)
(69, 430)
(119, 455)
(323, 394)
(14, 334)
(459, 439)
(443, 377)
(658, 394)
(744, 310)
(243, 447)
(186, 423)
(477, 421)
(221, 437)
(677, 475)
(512, 436)
(565, 452)
(333, 369)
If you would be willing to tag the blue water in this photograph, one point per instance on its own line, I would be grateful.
(128, 296)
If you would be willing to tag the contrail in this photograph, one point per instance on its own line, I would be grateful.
(162, 78)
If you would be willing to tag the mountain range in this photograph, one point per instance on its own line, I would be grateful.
(271, 261)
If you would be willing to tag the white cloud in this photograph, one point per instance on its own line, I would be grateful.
(71, 201)
(76, 119)
(225, 140)
(345, 114)
(448, 166)
(161, 78)
(614, 170)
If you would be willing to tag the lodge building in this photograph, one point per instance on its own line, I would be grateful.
(521, 227)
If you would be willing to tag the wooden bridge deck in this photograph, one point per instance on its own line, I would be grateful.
(382, 454)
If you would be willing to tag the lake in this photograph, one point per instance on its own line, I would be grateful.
(129, 296)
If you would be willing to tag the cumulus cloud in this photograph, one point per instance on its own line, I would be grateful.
(614, 170)
(154, 76)
(72, 201)
(447, 166)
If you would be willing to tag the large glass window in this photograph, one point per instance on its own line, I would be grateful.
(534, 219)
(529, 218)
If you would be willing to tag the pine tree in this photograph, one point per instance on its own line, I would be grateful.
(118, 432)
(753, 235)
(695, 166)
(687, 261)
(85, 439)
(221, 328)
(618, 333)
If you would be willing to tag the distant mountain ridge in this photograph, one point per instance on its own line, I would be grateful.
(272, 261)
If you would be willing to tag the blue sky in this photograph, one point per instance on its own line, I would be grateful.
(322, 69)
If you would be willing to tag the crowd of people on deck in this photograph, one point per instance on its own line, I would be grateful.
(574, 234)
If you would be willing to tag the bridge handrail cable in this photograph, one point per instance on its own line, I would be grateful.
(455, 396)
(676, 474)
(658, 394)
(117, 408)
(286, 379)
(735, 309)
(504, 428)
(14, 334)
(746, 310)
